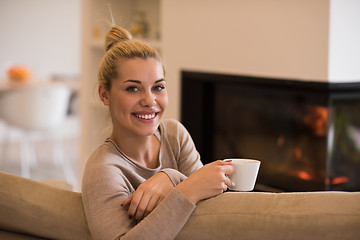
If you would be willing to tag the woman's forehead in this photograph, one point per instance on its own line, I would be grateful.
(139, 69)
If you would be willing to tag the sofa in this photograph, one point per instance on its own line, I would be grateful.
(34, 210)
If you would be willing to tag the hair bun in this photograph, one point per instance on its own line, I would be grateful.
(115, 35)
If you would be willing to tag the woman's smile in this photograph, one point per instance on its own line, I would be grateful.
(146, 116)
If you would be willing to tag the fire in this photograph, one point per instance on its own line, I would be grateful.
(337, 180)
(317, 119)
(304, 175)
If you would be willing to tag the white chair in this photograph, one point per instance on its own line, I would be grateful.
(38, 108)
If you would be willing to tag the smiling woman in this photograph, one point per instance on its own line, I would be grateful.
(148, 170)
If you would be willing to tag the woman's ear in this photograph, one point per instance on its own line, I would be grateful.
(104, 95)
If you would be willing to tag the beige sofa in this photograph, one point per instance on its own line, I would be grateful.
(33, 210)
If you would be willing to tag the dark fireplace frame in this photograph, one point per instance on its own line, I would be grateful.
(198, 96)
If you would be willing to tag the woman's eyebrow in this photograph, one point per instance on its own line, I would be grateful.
(160, 80)
(139, 82)
(133, 81)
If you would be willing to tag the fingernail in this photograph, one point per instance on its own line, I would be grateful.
(227, 160)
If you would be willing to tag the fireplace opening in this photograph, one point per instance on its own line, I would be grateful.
(306, 134)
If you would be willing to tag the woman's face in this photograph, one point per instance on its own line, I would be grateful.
(138, 98)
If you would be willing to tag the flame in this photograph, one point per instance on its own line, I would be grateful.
(338, 180)
(301, 174)
(317, 119)
(304, 175)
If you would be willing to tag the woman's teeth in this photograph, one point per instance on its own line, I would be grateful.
(146, 116)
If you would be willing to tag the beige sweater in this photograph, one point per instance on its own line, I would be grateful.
(110, 177)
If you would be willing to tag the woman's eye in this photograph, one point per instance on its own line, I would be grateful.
(132, 89)
(159, 87)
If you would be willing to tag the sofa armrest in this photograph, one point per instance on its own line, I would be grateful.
(255, 215)
(36, 209)
(6, 235)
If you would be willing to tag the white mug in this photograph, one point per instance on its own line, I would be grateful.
(244, 177)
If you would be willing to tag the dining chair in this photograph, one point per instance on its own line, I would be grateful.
(34, 109)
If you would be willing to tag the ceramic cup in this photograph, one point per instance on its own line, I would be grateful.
(244, 177)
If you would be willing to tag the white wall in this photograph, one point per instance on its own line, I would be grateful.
(278, 38)
(344, 41)
(42, 34)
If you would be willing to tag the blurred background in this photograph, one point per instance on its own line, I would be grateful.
(40, 46)
(53, 42)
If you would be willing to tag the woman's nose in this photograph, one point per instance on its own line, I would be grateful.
(148, 99)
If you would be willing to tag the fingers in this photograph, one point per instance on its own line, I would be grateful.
(222, 170)
(148, 195)
(141, 207)
(227, 182)
(228, 169)
(142, 204)
(127, 202)
(225, 187)
(152, 204)
(134, 203)
(227, 160)
(223, 162)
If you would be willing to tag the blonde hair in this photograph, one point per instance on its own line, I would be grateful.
(119, 44)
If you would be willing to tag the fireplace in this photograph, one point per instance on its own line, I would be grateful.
(306, 134)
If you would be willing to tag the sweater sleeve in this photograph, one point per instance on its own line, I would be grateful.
(105, 188)
(178, 141)
(187, 156)
(166, 221)
(175, 176)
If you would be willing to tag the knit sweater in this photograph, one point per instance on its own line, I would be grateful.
(110, 177)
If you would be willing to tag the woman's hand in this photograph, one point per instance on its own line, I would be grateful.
(148, 195)
(209, 181)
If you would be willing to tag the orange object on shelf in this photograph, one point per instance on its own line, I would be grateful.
(19, 73)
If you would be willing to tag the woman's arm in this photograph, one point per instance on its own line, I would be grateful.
(108, 220)
(166, 220)
(106, 187)
(203, 182)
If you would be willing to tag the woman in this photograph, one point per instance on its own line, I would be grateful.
(144, 181)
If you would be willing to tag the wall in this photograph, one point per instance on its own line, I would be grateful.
(344, 39)
(279, 38)
(42, 34)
